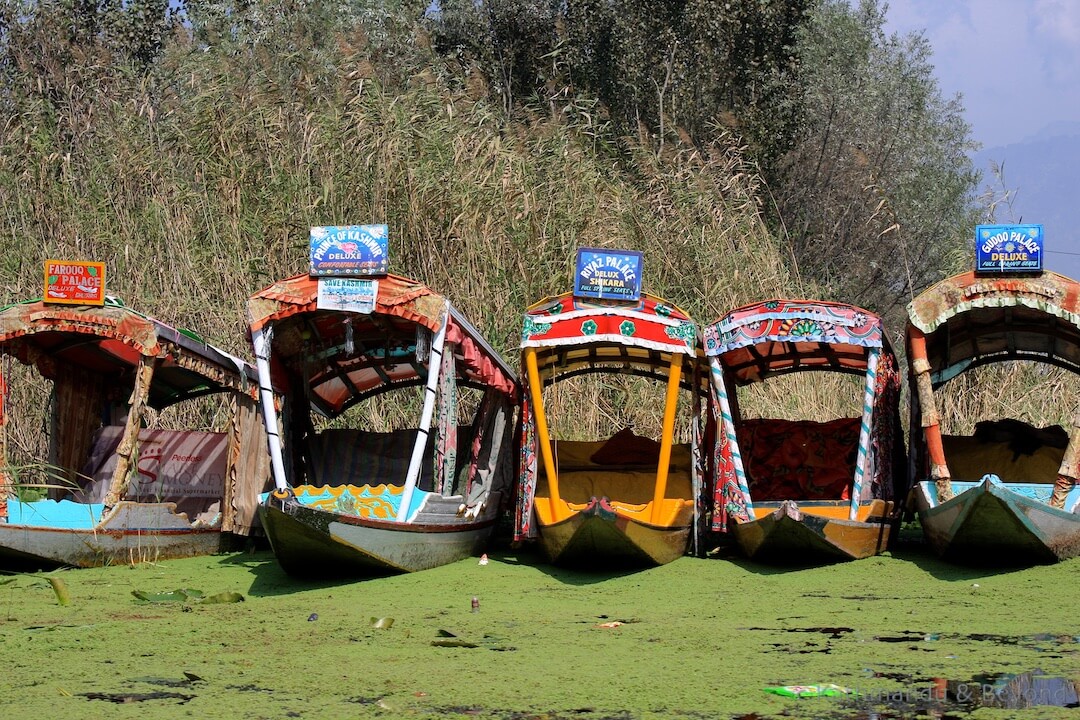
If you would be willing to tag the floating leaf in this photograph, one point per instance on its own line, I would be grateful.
(383, 623)
(174, 596)
(453, 642)
(192, 677)
(446, 633)
(225, 597)
(60, 588)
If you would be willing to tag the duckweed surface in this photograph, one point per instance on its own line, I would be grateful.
(699, 638)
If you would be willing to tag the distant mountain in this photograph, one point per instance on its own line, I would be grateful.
(1044, 172)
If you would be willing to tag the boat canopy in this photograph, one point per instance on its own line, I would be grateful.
(776, 337)
(111, 340)
(968, 321)
(106, 361)
(345, 357)
(575, 337)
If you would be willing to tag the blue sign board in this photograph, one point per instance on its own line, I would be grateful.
(1008, 248)
(349, 251)
(608, 274)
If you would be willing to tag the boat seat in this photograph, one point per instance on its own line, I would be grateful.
(972, 457)
(799, 459)
(587, 470)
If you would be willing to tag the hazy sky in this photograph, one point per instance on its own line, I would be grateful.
(1016, 64)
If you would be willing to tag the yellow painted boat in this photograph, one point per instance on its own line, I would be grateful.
(626, 500)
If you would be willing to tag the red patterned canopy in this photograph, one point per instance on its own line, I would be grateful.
(310, 344)
(780, 336)
(575, 336)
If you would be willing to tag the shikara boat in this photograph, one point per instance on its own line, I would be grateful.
(351, 500)
(628, 500)
(802, 491)
(121, 488)
(1007, 493)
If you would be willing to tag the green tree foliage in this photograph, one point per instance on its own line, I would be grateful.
(875, 194)
(661, 68)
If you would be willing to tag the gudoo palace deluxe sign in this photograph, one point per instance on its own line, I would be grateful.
(1009, 248)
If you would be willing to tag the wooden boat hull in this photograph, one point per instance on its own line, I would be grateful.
(133, 532)
(599, 537)
(990, 524)
(788, 535)
(310, 542)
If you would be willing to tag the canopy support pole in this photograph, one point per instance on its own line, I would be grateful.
(939, 470)
(129, 441)
(434, 365)
(261, 343)
(671, 406)
(863, 459)
(1070, 467)
(728, 422)
(542, 439)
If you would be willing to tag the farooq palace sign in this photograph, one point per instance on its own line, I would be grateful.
(1009, 248)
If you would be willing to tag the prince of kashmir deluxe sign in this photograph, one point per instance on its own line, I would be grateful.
(1008, 248)
(349, 251)
(608, 274)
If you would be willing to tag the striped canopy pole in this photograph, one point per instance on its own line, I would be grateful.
(720, 387)
(434, 365)
(864, 431)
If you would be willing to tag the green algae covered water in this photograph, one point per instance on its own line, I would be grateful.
(905, 634)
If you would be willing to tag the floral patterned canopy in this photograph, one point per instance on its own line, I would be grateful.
(781, 336)
(776, 337)
(575, 336)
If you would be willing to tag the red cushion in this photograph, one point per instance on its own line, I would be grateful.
(626, 448)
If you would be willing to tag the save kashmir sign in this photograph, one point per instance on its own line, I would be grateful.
(349, 251)
(74, 282)
(1008, 248)
(608, 274)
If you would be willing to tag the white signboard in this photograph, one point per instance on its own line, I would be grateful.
(348, 294)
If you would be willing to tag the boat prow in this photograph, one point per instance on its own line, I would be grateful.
(598, 535)
(787, 534)
(989, 523)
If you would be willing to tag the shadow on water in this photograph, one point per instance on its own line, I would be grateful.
(269, 580)
(578, 576)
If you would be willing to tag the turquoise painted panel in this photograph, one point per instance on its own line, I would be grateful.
(64, 514)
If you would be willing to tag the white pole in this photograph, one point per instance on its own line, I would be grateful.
(270, 419)
(434, 365)
(863, 459)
